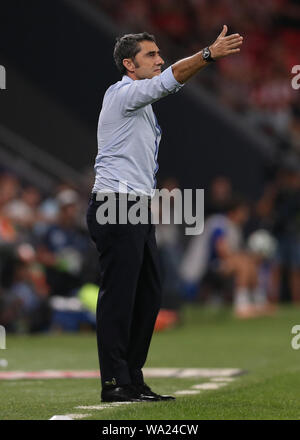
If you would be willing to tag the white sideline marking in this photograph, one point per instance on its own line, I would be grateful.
(222, 379)
(60, 417)
(78, 416)
(104, 405)
(70, 416)
(208, 386)
(160, 372)
(50, 374)
(191, 372)
(92, 407)
(118, 403)
(184, 392)
(148, 372)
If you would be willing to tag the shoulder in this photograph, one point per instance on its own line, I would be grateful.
(118, 85)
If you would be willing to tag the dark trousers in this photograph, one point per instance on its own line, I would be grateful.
(129, 297)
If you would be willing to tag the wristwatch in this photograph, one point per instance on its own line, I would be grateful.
(206, 55)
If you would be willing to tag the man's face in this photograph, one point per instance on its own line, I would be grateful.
(147, 63)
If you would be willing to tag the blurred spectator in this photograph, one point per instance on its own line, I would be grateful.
(219, 194)
(9, 189)
(278, 210)
(24, 305)
(49, 207)
(44, 251)
(62, 248)
(287, 227)
(218, 257)
(24, 210)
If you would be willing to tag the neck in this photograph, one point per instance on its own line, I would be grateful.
(131, 75)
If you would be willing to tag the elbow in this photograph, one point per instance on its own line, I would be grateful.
(178, 75)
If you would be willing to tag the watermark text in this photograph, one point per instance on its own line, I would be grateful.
(296, 79)
(295, 342)
(2, 338)
(163, 207)
(2, 78)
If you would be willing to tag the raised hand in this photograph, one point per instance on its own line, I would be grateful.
(224, 46)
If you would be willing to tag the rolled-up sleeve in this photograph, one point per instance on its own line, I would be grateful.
(139, 93)
(169, 82)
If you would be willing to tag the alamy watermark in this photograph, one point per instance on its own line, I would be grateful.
(2, 338)
(296, 79)
(187, 207)
(2, 78)
(295, 342)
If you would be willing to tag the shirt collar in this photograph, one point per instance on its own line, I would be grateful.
(126, 78)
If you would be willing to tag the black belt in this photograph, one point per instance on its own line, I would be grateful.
(120, 195)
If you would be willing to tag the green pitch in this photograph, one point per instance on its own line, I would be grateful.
(206, 339)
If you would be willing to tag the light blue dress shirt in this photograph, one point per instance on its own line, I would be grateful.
(129, 135)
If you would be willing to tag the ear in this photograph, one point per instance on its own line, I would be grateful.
(129, 65)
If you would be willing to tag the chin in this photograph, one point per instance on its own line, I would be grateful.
(151, 75)
(154, 74)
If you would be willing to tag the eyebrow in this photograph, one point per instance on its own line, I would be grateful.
(153, 52)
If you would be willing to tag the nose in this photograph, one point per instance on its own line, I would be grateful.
(160, 61)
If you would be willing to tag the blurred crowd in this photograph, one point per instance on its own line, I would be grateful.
(257, 83)
(247, 256)
(45, 255)
(249, 253)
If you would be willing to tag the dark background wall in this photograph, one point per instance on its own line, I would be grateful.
(58, 68)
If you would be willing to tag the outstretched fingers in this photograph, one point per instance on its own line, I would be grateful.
(234, 43)
(226, 45)
(232, 37)
(230, 51)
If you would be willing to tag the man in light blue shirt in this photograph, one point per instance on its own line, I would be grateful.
(128, 141)
(129, 134)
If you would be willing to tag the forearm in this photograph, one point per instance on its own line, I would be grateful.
(184, 69)
(224, 45)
